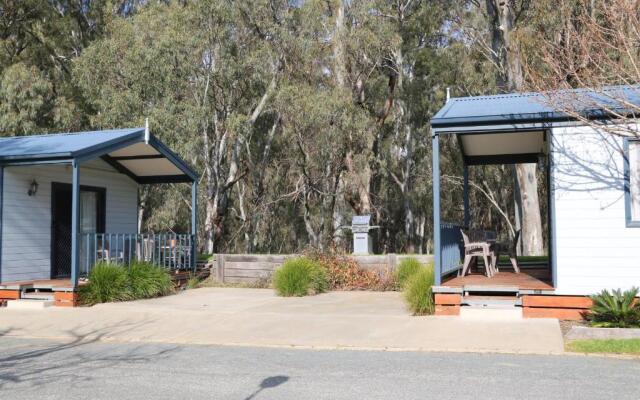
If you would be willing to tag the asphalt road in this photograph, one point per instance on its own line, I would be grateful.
(35, 369)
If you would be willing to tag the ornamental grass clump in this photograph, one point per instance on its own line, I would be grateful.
(418, 291)
(107, 282)
(406, 269)
(615, 309)
(300, 277)
(147, 280)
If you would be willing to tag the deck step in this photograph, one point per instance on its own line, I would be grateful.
(37, 296)
(29, 304)
(491, 301)
(488, 313)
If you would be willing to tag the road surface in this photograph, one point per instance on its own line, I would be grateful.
(31, 369)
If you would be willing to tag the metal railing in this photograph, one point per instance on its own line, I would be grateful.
(169, 250)
(451, 247)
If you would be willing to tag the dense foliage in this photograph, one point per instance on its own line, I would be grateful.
(344, 273)
(616, 309)
(114, 282)
(107, 283)
(147, 280)
(418, 293)
(406, 269)
(300, 277)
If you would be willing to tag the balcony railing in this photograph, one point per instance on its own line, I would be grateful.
(168, 250)
(451, 247)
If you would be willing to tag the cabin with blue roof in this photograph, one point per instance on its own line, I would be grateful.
(70, 200)
(587, 146)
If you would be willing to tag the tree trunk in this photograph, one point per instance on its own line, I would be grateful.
(502, 20)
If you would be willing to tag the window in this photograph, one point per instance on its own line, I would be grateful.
(632, 182)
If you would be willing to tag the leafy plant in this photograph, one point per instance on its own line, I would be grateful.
(147, 280)
(300, 277)
(107, 282)
(418, 293)
(616, 309)
(406, 269)
(344, 273)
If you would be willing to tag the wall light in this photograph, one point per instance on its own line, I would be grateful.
(33, 188)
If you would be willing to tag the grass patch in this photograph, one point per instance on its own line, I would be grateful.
(418, 291)
(110, 282)
(615, 346)
(406, 269)
(107, 283)
(147, 280)
(300, 277)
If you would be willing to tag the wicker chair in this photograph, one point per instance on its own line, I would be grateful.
(477, 249)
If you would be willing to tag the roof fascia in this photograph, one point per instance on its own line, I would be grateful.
(177, 161)
(101, 149)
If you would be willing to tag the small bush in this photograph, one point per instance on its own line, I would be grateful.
(147, 280)
(418, 293)
(344, 273)
(193, 283)
(616, 309)
(300, 277)
(107, 282)
(406, 269)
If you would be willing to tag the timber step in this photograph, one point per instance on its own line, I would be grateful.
(37, 295)
(491, 301)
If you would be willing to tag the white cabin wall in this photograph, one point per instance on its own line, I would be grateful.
(26, 230)
(594, 248)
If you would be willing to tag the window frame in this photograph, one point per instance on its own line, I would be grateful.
(627, 186)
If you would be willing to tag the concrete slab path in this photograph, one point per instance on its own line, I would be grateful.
(256, 317)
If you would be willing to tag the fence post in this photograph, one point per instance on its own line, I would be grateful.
(392, 261)
(220, 267)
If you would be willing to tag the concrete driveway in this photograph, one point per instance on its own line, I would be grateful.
(256, 317)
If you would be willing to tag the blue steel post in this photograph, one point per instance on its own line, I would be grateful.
(435, 154)
(75, 223)
(1, 222)
(465, 194)
(194, 223)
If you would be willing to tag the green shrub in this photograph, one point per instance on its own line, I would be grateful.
(147, 280)
(193, 283)
(616, 309)
(406, 269)
(107, 282)
(418, 293)
(300, 277)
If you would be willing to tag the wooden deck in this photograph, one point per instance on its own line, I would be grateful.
(52, 284)
(521, 281)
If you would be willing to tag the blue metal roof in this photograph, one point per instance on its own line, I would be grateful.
(535, 107)
(83, 146)
(60, 145)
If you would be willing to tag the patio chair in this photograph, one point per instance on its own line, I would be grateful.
(473, 250)
(509, 248)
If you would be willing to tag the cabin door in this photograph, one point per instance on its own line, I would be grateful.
(92, 220)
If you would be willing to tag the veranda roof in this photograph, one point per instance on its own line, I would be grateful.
(522, 108)
(133, 151)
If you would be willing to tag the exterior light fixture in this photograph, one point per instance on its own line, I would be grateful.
(33, 188)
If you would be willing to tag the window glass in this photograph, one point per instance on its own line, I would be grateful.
(88, 211)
